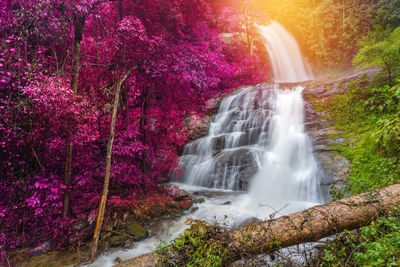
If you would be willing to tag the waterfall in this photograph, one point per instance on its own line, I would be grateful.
(232, 152)
(289, 171)
(285, 57)
(257, 142)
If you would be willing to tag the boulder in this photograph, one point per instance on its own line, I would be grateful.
(182, 195)
(136, 231)
(194, 209)
(128, 244)
(41, 249)
(117, 240)
(184, 204)
(199, 200)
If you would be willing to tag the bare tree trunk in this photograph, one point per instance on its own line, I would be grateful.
(246, 23)
(67, 179)
(79, 23)
(252, 32)
(305, 226)
(102, 205)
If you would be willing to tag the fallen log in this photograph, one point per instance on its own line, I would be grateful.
(309, 225)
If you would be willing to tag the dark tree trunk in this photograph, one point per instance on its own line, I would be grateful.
(79, 22)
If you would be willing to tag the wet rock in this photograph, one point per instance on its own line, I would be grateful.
(239, 164)
(335, 167)
(182, 195)
(198, 127)
(118, 260)
(41, 249)
(117, 240)
(227, 203)
(128, 244)
(336, 85)
(136, 231)
(155, 228)
(218, 144)
(194, 209)
(199, 200)
(175, 214)
(184, 204)
(322, 148)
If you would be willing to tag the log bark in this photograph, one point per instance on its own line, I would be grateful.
(309, 225)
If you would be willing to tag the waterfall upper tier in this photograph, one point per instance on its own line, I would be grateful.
(284, 53)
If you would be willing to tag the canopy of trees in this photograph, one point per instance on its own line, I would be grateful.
(60, 65)
(329, 30)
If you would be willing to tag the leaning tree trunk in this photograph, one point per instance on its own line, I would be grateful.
(309, 225)
(103, 199)
(102, 205)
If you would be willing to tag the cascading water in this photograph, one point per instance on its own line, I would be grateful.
(261, 127)
(256, 143)
(289, 171)
(286, 60)
(232, 152)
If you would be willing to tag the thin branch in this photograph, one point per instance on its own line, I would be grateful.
(37, 158)
(101, 65)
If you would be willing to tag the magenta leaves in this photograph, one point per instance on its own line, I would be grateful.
(181, 63)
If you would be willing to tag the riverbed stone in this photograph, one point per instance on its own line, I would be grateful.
(184, 204)
(117, 240)
(136, 231)
(41, 249)
(199, 200)
(194, 209)
(128, 244)
(182, 195)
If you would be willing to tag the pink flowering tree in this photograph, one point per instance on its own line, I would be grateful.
(52, 96)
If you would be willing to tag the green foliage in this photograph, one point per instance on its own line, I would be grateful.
(348, 109)
(388, 135)
(375, 245)
(197, 246)
(338, 193)
(328, 30)
(370, 169)
(370, 117)
(381, 48)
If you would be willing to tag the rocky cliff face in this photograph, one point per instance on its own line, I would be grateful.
(317, 93)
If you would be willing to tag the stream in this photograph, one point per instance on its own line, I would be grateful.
(257, 161)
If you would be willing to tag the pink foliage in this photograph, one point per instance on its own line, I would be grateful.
(180, 64)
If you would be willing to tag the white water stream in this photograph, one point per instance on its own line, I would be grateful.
(286, 60)
(256, 143)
